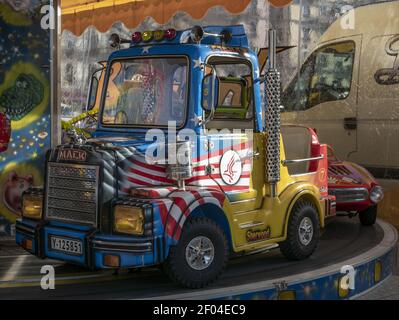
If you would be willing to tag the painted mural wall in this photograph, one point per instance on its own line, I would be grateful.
(24, 99)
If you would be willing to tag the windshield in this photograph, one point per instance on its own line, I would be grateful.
(146, 92)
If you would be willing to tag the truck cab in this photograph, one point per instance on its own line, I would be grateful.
(186, 168)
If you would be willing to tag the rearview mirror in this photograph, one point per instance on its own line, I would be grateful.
(91, 101)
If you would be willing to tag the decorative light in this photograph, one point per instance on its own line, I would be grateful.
(136, 37)
(147, 36)
(170, 34)
(159, 35)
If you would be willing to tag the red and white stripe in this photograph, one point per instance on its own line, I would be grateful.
(136, 173)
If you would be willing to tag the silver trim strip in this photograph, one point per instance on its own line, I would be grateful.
(122, 244)
(250, 225)
(242, 201)
(122, 247)
(286, 162)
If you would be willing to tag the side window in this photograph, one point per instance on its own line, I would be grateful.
(326, 76)
(332, 76)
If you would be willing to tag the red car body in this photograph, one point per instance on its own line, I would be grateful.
(5, 132)
(354, 187)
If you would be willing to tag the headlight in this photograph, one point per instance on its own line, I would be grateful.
(376, 194)
(32, 206)
(129, 220)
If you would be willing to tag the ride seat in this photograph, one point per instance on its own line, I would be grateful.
(297, 142)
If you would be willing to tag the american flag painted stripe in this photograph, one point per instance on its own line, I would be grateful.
(151, 176)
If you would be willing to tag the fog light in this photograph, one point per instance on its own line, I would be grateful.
(111, 261)
(376, 194)
(32, 206)
(129, 220)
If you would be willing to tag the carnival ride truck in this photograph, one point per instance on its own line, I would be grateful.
(187, 196)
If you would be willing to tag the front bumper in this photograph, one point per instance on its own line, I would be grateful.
(35, 237)
(351, 199)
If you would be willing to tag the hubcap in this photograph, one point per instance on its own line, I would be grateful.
(200, 253)
(305, 231)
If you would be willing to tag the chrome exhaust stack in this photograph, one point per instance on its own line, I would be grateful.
(273, 120)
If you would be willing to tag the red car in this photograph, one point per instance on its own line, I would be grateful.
(355, 189)
(5, 132)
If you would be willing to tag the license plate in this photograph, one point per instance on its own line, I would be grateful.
(66, 245)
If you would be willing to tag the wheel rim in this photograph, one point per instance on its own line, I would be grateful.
(305, 231)
(200, 253)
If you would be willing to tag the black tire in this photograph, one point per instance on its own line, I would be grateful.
(368, 216)
(176, 265)
(292, 248)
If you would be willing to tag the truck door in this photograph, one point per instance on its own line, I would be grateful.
(235, 150)
(324, 94)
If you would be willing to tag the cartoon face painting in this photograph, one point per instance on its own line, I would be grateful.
(13, 190)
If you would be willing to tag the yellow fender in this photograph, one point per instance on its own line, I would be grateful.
(311, 193)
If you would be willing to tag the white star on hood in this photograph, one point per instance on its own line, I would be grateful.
(146, 49)
(198, 63)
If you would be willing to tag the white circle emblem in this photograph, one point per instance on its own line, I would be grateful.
(230, 167)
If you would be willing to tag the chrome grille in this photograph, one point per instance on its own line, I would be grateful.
(349, 194)
(62, 171)
(73, 184)
(72, 193)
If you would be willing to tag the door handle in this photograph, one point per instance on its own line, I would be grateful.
(350, 123)
(255, 154)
